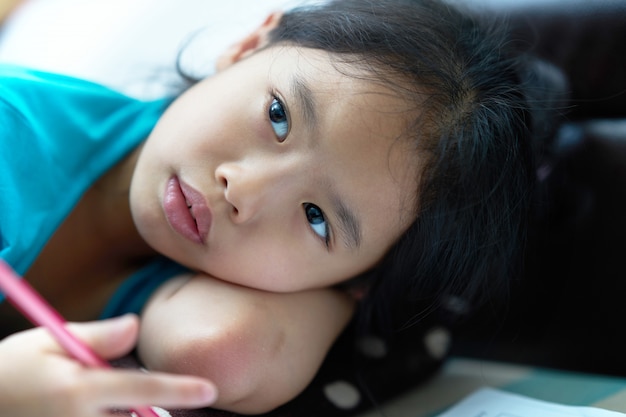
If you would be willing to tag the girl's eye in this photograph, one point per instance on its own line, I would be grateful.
(278, 119)
(317, 220)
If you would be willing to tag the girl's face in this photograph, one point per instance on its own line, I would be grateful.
(278, 173)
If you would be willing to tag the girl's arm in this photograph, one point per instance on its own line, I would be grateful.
(261, 349)
(38, 378)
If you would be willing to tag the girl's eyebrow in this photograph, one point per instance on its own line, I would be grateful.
(349, 224)
(305, 101)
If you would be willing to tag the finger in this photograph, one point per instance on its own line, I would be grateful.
(127, 388)
(110, 338)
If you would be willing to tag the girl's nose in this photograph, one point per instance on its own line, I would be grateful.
(249, 189)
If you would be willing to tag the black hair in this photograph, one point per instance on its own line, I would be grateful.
(474, 128)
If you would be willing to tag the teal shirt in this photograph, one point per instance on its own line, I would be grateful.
(58, 135)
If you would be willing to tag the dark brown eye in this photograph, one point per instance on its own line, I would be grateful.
(317, 221)
(278, 119)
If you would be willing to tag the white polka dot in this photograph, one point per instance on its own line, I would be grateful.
(457, 305)
(343, 394)
(160, 412)
(437, 342)
(372, 346)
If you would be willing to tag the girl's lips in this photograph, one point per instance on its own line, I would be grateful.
(186, 210)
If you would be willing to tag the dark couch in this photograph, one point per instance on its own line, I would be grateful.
(568, 309)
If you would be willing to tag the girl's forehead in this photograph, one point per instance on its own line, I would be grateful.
(352, 106)
(329, 74)
(315, 63)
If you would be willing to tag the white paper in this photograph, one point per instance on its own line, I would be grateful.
(489, 402)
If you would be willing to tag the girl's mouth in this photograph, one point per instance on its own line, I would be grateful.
(186, 210)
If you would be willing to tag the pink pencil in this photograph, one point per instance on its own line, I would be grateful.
(40, 313)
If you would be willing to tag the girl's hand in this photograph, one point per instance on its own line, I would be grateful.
(38, 378)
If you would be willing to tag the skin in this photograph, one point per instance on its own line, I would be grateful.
(260, 348)
(275, 246)
(40, 378)
(259, 177)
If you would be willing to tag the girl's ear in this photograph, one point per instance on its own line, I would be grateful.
(250, 44)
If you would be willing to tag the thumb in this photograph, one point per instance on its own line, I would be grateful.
(109, 338)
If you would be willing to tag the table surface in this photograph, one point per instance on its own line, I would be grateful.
(460, 377)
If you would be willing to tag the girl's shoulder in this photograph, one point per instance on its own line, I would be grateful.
(57, 133)
(22, 84)
(14, 76)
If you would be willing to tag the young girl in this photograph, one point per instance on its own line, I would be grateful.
(380, 141)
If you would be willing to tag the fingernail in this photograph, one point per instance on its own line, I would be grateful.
(125, 319)
(121, 325)
(208, 393)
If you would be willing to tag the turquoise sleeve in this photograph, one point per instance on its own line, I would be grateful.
(57, 136)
